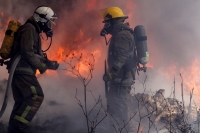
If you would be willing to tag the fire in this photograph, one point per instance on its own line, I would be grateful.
(149, 65)
(8, 20)
(80, 43)
(140, 130)
(2, 26)
(2, 14)
(130, 6)
(170, 71)
(190, 75)
(191, 79)
(58, 55)
(82, 61)
(64, 54)
(91, 4)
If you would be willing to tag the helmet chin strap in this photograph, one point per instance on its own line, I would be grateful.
(106, 40)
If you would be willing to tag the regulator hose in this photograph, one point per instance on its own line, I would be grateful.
(49, 46)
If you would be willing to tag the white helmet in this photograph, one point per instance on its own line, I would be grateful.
(45, 16)
(44, 13)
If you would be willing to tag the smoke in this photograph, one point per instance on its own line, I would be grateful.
(72, 21)
(173, 39)
(171, 27)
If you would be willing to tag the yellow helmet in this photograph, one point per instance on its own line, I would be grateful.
(112, 12)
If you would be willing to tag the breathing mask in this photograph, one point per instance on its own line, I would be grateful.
(108, 26)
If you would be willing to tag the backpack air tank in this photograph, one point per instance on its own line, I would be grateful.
(141, 46)
(8, 40)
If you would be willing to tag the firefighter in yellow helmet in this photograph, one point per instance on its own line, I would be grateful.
(120, 74)
(111, 15)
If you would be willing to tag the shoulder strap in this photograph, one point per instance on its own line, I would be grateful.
(123, 27)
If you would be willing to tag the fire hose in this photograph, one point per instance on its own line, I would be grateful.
(9, 82)
(50, 65)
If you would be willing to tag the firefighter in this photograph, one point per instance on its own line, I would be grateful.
(119, 75)
(27, 92)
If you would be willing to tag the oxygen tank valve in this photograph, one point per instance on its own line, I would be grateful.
(144, 68)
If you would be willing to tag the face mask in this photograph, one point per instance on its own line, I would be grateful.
(107, 28)
(47, 28)
(49, 33)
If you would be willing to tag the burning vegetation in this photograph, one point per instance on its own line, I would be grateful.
(77, 36)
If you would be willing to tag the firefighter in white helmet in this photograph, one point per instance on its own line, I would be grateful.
(27, 92)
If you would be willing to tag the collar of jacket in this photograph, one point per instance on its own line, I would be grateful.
(33, 22)
(119, 27)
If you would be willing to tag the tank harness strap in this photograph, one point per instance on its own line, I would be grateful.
(142, 38)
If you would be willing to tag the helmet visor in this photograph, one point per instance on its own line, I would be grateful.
(53, 20)
(49, 24)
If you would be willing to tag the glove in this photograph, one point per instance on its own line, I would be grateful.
(42, 68)
(111, 75)
(53, 65)
(108, 77)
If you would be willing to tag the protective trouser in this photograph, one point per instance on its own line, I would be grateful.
(28, 97)
(118, 106)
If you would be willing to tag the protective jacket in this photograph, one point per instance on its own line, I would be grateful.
(28, 43)
(120, 52)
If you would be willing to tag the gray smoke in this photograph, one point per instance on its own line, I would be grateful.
(173, 37)
(171, 27)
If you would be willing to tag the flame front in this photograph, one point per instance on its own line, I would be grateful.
(77, 32)
(59, 54)
(190, 75)
(192, 78)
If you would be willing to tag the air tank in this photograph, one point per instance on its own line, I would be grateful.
(141, 45)
(8, 40)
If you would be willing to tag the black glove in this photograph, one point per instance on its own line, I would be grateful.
(111, 75)
(53, 65)
(42, 68)
(108, 77)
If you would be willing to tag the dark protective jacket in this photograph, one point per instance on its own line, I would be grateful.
(120, 52)
(28, 43)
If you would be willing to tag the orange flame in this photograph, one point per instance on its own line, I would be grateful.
(191, 77)
(59, 54)
(149, 65)
(91, 4)
(140, 130)
(8, 20)
(2, 14)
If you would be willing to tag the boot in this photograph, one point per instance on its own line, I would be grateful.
(18, 130)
